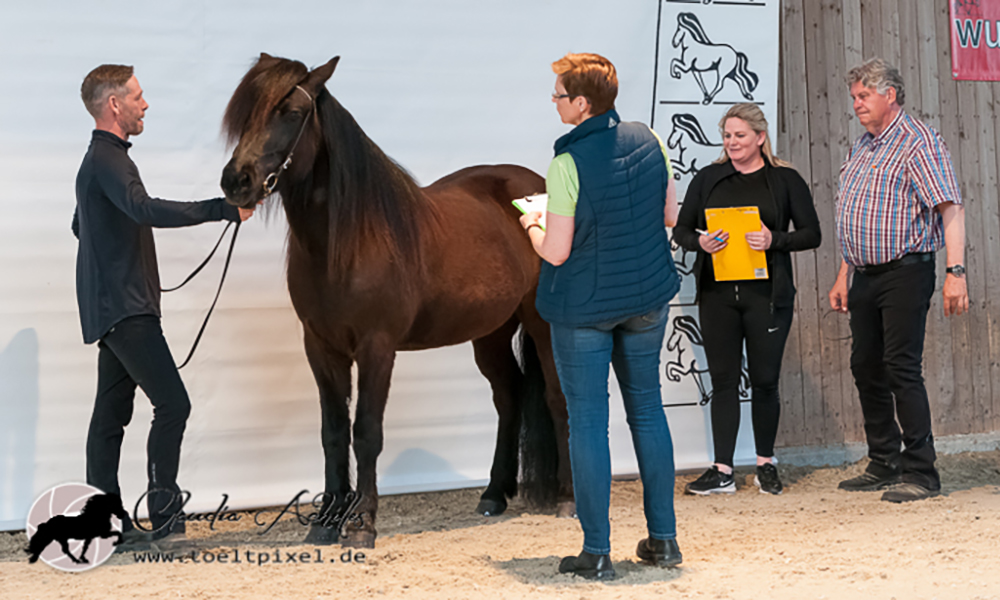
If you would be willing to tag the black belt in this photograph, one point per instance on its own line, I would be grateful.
(909, 259)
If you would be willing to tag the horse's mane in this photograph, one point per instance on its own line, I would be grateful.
(98, 503)
(373, 203)
(372, 200)
(689, 125)
(691, 23)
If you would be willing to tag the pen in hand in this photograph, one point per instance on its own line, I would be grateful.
(714, 237)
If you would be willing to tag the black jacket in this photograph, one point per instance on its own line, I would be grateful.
(116, 274)
(793, 203)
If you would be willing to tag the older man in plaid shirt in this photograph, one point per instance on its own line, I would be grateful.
(898, 204)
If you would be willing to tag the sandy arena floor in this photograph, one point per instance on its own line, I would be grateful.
(811, 542)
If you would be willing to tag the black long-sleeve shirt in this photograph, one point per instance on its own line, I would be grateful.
(116, 272)
(793, 204)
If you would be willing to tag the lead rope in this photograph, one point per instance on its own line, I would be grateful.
(222, 280)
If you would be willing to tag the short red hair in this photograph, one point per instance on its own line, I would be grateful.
(591, 76)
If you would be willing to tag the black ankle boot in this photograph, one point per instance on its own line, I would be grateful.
(662, 553)
(589, 566)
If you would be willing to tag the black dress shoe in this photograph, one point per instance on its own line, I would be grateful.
(662, 553)
(589, 566)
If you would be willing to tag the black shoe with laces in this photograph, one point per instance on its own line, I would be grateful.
(589, 566)
(767, 479)
(712, 481)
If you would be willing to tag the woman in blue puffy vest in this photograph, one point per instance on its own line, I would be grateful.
(606, 279)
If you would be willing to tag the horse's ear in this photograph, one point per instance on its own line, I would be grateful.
(318, 76)
(265, 56)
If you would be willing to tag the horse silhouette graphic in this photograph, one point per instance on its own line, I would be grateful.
(686, 327)
(686, 129)
(94, 521)
(699, 56)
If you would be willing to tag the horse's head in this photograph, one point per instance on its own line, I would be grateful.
(678, 38)
(109, 504)
(271, 116)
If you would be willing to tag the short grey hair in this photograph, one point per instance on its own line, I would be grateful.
(878, 74)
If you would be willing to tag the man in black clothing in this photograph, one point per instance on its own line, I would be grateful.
(118, 292)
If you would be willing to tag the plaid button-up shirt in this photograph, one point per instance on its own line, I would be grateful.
(889, 187)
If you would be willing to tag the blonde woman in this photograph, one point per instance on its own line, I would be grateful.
(755, 312)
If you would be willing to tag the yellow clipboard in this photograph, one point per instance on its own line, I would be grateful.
(737, 261)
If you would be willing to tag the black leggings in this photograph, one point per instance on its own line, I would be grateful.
(134, 353)
(732, 312)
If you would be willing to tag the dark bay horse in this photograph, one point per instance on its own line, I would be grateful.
(377, 264)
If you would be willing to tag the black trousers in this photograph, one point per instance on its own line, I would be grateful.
(732, 313)
(888, 319)
(135, 353)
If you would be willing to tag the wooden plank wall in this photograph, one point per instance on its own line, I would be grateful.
(821, 40)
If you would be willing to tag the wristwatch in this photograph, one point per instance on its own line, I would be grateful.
(956, 270)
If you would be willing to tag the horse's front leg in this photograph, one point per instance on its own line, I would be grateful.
(375, 362)
(332, 371)
(64, 544)
(706, 96)
(677, 67)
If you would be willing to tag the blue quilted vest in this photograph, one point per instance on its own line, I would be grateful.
(620, 264)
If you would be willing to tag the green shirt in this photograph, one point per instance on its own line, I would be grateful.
(562, 183)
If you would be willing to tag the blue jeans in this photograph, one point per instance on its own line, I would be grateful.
(582, 356)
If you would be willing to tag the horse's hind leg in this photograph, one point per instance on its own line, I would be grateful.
(496, 361)
(375, 361)
(332, 371)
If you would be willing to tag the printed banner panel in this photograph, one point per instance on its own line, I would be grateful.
(711, 55)
(975, 39)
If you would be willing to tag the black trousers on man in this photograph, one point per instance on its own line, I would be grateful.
(135, 353)
(888, 319)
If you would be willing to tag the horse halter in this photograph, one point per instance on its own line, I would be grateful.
(271, 181)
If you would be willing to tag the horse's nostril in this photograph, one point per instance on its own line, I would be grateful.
(235, 181)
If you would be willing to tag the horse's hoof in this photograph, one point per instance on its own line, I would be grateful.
(706, 101)
(322, 536)
(749, 97)
(491, 508)
(358, 539)
(566, 510)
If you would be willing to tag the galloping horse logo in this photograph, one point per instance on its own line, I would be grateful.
(686, 127)
(699, 55)
(686, 327)
(56, 517)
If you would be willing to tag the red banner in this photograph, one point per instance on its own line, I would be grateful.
(975, 40)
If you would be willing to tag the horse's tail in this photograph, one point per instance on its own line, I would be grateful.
(539, 452)
(42, 538)
(744, 77)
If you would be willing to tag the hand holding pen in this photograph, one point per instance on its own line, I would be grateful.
(714, 241)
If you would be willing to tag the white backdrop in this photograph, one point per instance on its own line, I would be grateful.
(440, 85)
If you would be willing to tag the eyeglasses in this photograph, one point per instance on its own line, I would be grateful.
(556, 96)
